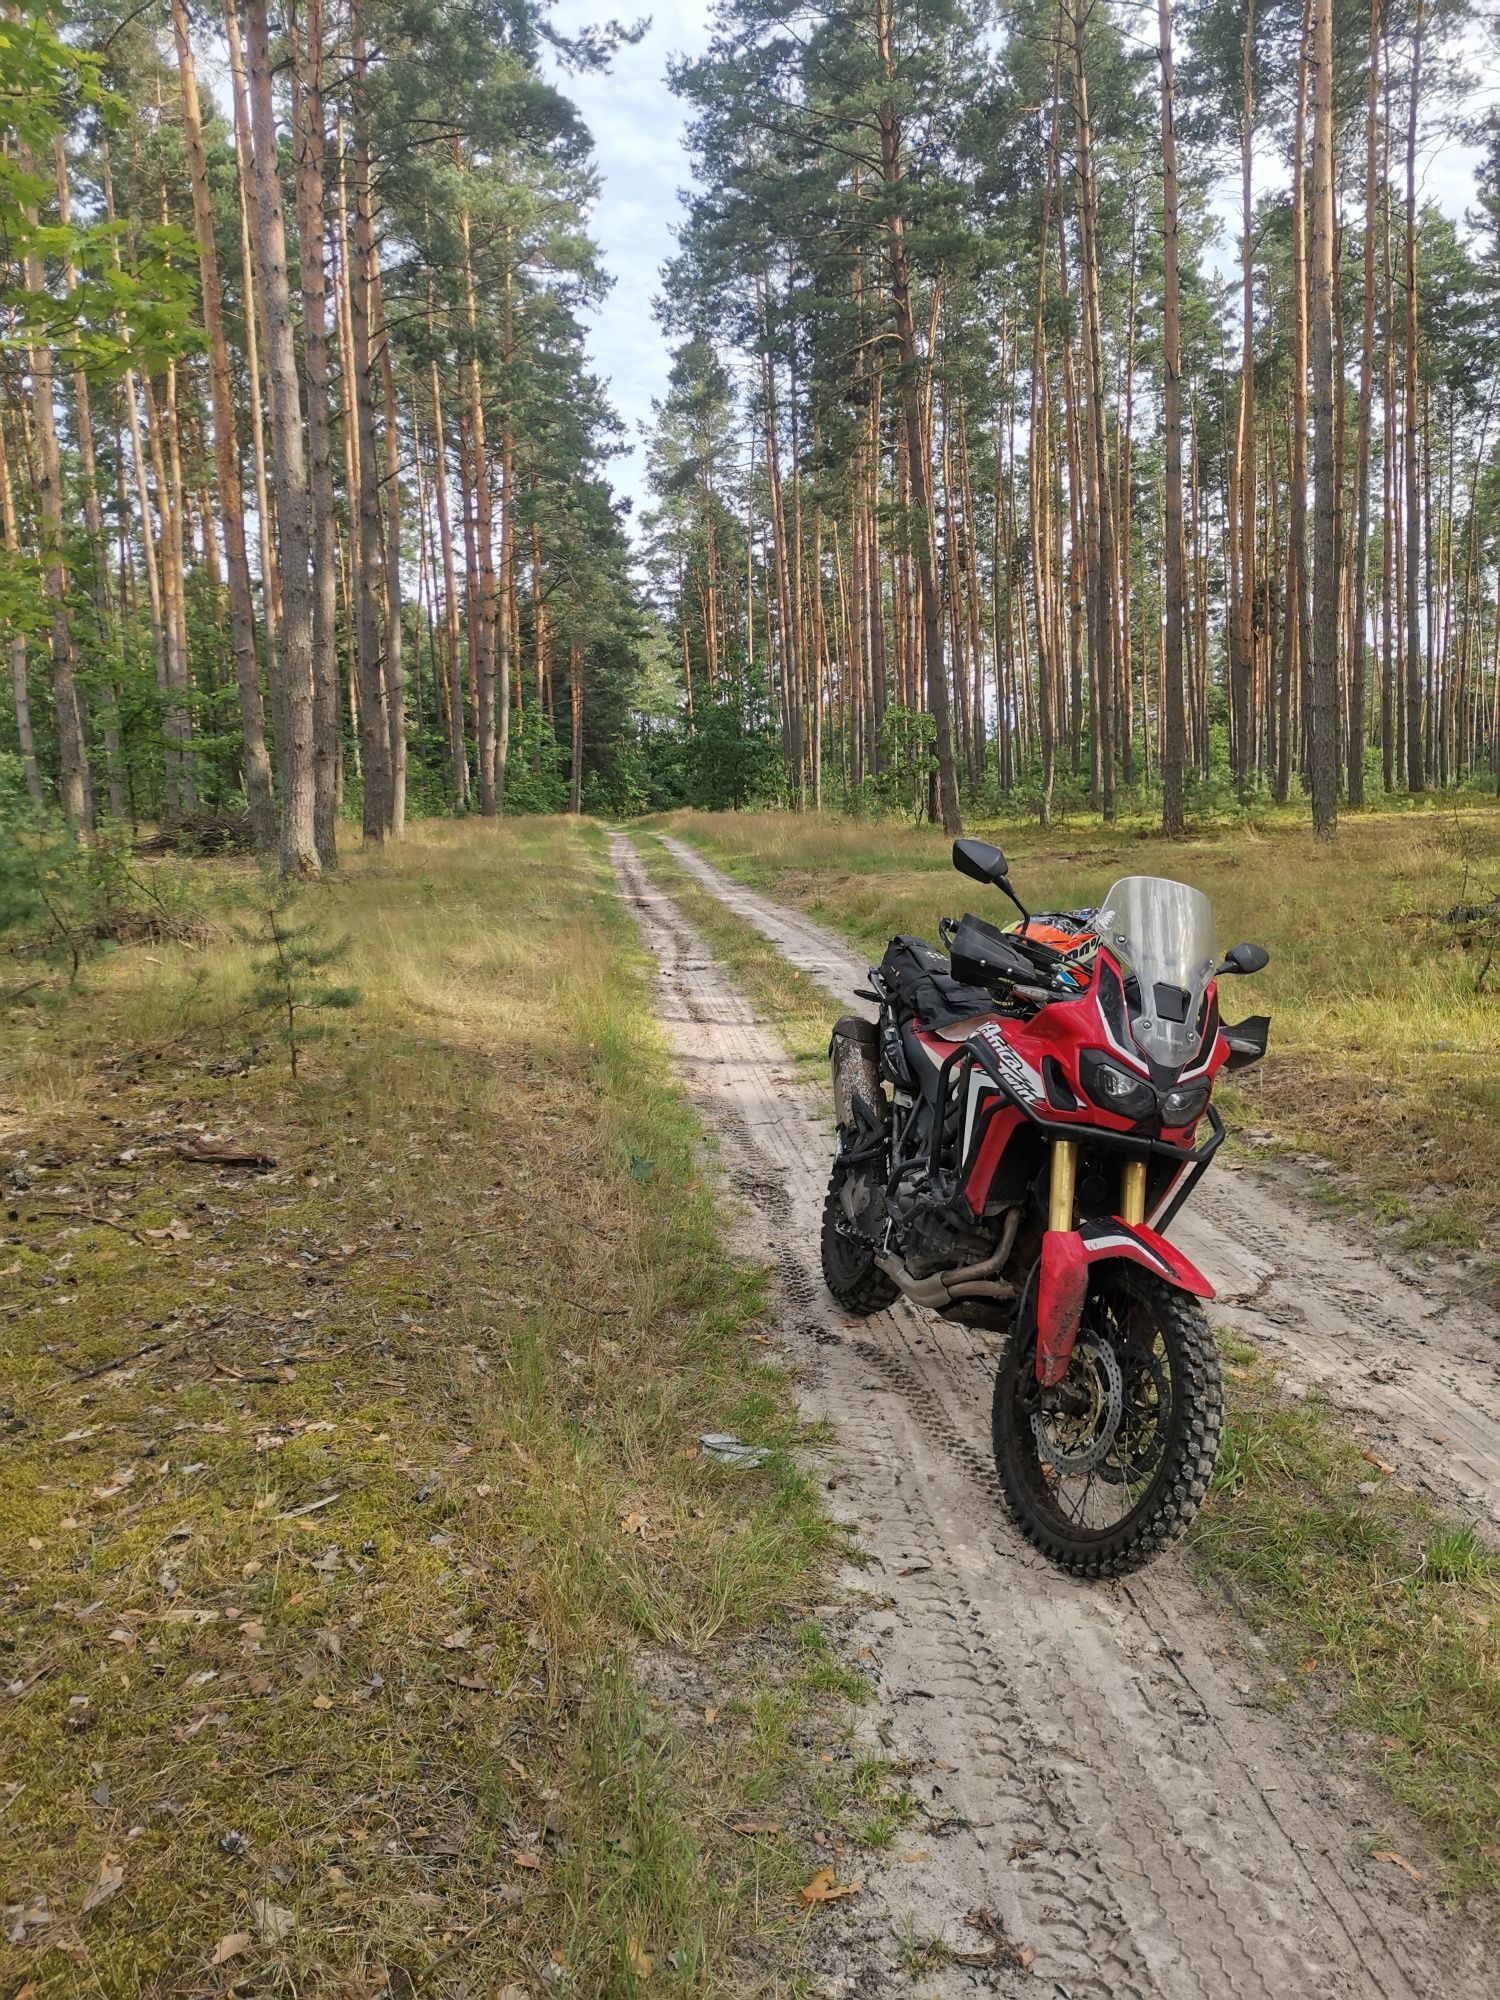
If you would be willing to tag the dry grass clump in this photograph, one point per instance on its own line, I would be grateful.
(351, 1463)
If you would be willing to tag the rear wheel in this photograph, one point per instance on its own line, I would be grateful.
(849, 1268)
(1106, 1468)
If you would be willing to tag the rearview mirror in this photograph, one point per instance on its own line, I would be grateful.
(1245, 958)
(980, 862)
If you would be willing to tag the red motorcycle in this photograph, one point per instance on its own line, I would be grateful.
(1016, 1132)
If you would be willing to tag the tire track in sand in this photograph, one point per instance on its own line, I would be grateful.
(1088, 1767)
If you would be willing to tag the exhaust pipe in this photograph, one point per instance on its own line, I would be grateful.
(966, 1281)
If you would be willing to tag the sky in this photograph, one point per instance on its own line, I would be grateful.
(637, 125)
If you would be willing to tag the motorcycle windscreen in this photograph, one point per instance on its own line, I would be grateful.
(1163, 932)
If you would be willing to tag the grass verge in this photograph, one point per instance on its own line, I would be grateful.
(1371, 1597)
(371, 1621)
(1385, 1044)
(1368, 1596)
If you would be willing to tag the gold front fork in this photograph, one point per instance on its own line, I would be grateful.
(1133, 1192)
(1060, 1187)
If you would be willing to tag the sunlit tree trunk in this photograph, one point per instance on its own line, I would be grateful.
(256, 762)
(20, 685)
(310, 137)
(73, 775)
(1415, 767)
(892, 173)
(369, 569)
(299, 847)
(1173, 730)
(1325, 746)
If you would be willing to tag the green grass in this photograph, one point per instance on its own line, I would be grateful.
(1373, 1599)
(1385, 1046)
(343, 1537)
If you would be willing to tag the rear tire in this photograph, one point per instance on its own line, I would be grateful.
(849, 1268)
(1163, 1370)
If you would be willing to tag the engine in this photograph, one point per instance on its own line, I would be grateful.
(931, 1231)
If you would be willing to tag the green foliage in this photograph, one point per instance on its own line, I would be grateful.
(117, 311)
(60, 900)
(908, 761)
(731, 761)
(291, 968)
(536, 772)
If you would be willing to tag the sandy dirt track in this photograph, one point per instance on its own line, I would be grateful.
(1094, 1767)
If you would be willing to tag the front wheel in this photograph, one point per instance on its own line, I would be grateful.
(849, 1268)
(1105, 1469)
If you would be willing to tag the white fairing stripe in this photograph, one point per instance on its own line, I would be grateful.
(1117, 1241)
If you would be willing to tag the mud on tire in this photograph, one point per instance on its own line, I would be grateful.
(849, 1268)
(1186, 1438)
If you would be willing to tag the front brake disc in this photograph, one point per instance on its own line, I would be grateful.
(1071, 1444)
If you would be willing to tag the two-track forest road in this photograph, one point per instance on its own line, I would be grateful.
(1091, 1764)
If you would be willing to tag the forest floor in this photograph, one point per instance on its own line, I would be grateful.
(1385, 1013)
(1210, 1784)
(373, 1620)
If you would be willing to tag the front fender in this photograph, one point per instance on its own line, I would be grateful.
(1068, 1255)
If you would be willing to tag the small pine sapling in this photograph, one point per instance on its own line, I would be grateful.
(291, 969)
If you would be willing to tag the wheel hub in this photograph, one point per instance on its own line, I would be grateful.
(1077, 1426)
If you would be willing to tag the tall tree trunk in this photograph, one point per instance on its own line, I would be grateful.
(482, 612)
(299, 846)
(311, 149)
(1299, 616)
(575, 703)
(1173, 722)
(892, 172)
(457, 754)
(20, 685)
(1242, 614)
(93, 516)
(395, 678)
(270, 588)
(1415, 766)
(1101, 539)
(1357, 669)
(369, 591)
(257, 764)
(72, 777)
(1325, 749)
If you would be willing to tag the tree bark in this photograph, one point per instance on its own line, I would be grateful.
(369, 592)
(1415, 765)
(1173, 722)
(299, 846)
(916, 446)
(72, 777)
(257, 764)
(311, 149)
(1325, 748)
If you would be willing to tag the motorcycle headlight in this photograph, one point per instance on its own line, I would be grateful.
(1184, 1104)
(1115, 1089)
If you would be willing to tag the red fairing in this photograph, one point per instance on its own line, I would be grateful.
(1062, 1282)
(1062, 1287)
(1063, 1032)
(1149, 1248)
